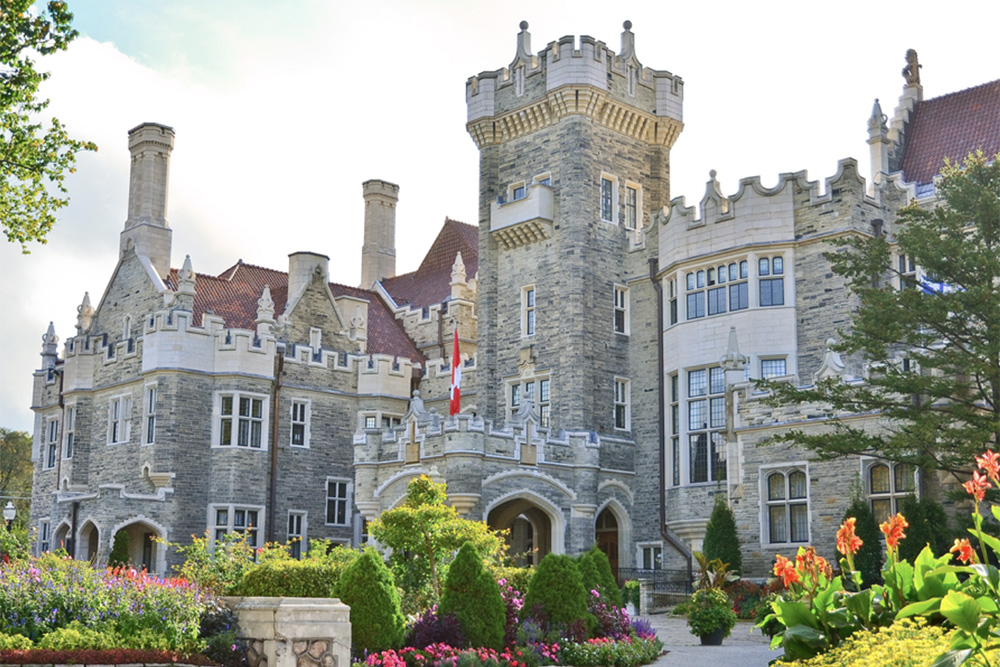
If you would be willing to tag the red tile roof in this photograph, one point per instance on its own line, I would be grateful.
(233, 295)
(952, 126)
(431, 283)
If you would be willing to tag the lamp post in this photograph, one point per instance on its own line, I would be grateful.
(9, 513)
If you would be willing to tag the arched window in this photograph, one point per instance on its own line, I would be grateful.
(887, 484)
(787, 506)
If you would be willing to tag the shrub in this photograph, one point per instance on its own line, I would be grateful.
(611, 621)
(220, 631)
(513, 599)
(630, 593)
(218, 566)
(709, 612)
(435, 628)
(599, 652)
(556, 591)
(516, 577)
(14, 642)
(868, 560)
(721, 538)
(367, 587)
(119, 551)
(749, 597)
(595, 568)
(928, 526)
(77, 636)
(309, 578)
(906, 643)
(474, 597)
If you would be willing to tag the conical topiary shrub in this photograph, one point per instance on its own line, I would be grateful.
(868, 560)
(119, 550)
(556, 590)
(721, 538)
(367, 587)
(471, 594)
(595, 569)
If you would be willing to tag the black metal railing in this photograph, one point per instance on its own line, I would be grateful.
(664, 581)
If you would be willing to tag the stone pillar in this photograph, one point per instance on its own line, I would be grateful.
(645, 597)
(294, 632)
(378, 254)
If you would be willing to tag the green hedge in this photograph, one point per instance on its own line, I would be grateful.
(292, 578)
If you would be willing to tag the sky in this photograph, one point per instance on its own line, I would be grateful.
(282, 109)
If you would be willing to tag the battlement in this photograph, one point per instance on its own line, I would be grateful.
(613, 88)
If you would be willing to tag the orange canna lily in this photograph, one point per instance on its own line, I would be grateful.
(893, 530)
(847, 542)
(964, 550)
(990, 463)
(785, 569)
(976, 487)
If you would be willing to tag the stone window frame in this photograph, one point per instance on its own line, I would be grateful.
(150, 397)
(545, 178)
(623, 404)
(673, 315)
(119, 419)
(50, 444)
(608, 198)
(217, 529)
(44, 535)
(673, 387)
(218, 418)
(715, 289)
(69, 431)
(768, 374)
(517, 191)
(524, 385)
(297, 526)
(770, 273)
(785, 470)
(376, 419)
(649, 553)
(636, 208)
(713, 395)
(303, 420)
(529, 301)
(345, 501)
(894, 495)
(622, 325)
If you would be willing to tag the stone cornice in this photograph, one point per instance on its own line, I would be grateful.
(576, 99)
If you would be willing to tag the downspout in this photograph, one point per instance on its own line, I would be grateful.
(62, 428)
(662, 419)
(71, 547)
(279, 364)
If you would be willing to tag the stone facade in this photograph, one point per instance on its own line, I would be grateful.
(608, 338)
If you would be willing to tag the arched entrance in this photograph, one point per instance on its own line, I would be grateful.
(530, 536)
(606, 536)
(90, 542)
(61, 538)
(144, 552)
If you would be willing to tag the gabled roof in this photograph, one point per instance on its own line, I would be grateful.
(952, 126)
(431, 283)
(233, 295)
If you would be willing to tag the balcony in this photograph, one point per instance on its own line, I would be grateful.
(523, 221)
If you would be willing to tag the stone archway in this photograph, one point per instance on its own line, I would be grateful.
(606, 537)
(61, 538)
(536, 527)
(89, 545)
(144, 552)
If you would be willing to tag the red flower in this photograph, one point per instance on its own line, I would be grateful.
(976, 487)
(893, 530)
(989, 462)
(785, 569)
(847, 541)
(965, 551)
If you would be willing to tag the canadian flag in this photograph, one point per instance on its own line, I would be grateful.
(456, 378)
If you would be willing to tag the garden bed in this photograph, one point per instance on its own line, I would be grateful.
(132, 658)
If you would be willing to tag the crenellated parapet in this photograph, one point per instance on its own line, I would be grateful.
(571, 77)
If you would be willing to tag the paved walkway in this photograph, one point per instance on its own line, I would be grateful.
(742, 648)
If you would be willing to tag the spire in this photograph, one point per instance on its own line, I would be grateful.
(458, 269)
(627, 51)
(733, 360)
(84, 314)
(878, 140)
(185, 285)
(50, 347)
(265, 312)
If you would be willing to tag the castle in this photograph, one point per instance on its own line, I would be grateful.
(608, 337)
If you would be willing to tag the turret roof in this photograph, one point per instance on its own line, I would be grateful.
(431, 283)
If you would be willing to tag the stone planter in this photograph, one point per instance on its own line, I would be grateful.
(294, 632)
(713, 639)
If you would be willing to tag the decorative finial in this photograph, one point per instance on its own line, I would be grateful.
(877, 121)
(458, 270)
(49, 347)
(185, 285)
(627, 25)
(911, 73)
(733, 360)
(712, 174)
(524, 25)
(84, 314)
(833, 366)
(265, 305)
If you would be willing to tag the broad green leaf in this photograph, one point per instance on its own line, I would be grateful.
(923, 608)
(961, 610)
(952, 658)
(803, 642)
(795, 613)
(861, 605)
(996, 512)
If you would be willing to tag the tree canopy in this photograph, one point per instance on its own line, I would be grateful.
(34, 159)
(16, 471)
(928, 328)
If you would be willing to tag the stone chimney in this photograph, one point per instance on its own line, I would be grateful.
(146, 229)
(378, 254)
(301, 266)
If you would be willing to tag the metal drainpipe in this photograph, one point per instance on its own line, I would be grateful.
(662, 421)
(272, 502)
(71, 548)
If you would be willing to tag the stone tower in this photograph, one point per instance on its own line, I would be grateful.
(146, 229)
(378, 254)
(574, 158)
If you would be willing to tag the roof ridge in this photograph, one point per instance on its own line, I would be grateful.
(960, 92)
